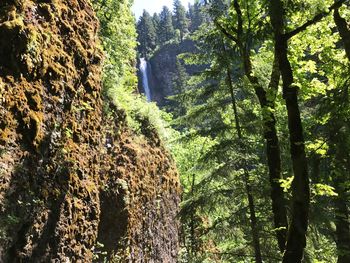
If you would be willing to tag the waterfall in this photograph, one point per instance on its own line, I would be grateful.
(145, 82)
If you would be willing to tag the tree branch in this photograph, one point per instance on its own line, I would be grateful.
(313, 21)
(225, 32)
(239, 18)
(344, 32)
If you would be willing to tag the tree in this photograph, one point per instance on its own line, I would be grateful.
(166, 30)
(214, 111)
(180, 19)
(344, 30)
(340, 151)
(266, 97)
(296, 240)
(179, 100)
(196, 16)
(336, 107)
(157, 26)
(146, 34)
(119, 42)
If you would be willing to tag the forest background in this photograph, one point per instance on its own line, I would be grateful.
(257, 121)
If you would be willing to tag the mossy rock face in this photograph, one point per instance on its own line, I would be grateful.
(11, 45)
(75, 185)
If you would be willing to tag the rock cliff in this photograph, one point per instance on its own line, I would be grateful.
(76, 184)
(163, 70)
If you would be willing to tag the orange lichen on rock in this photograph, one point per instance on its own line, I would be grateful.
(74, 183)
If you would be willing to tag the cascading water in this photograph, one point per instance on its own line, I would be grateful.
(145, 82)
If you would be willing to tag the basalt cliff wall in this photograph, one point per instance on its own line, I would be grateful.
(162, 70)
(76, 184)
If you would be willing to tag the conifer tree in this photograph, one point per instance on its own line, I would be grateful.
(146, 34)
(157, 25)
(180, 82)
(196, 16)
(180, 19)
(166, 30)
(241, 59)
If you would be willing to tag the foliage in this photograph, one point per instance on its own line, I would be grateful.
(118, 39)
(146, 30)
(180, 19)
(220, 139)
(118, 35)
(215, 181)
(166, 30)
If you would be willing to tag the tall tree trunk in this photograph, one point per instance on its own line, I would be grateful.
(296, 240)
(341, 179)
(274, 158)
(270, 132)
(342, 220)
(253, 219)
(272, 146)
(192, 223)
(344, 31)
(341, 206)
(251, 205)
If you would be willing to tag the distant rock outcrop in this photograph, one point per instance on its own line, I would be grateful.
(163, 69)
(76, 185)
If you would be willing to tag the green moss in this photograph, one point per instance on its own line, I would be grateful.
(61, 105)
(32, 57)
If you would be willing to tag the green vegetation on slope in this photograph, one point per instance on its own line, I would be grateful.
(264, 128)
(120, 80)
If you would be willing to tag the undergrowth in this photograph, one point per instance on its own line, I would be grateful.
(118, 37)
